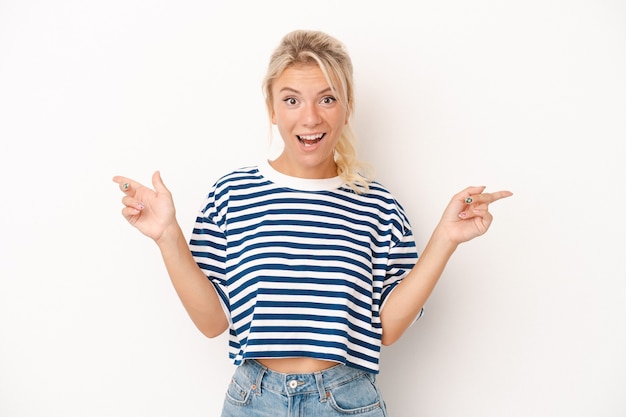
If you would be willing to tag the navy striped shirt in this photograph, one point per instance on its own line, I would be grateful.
(302, 266)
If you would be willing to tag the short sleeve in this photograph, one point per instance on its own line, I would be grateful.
(401, 259)
(208, 247)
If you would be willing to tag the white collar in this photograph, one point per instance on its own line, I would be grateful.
(303, 184)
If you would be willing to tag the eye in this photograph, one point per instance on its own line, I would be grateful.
(328, 100)
(290, 101)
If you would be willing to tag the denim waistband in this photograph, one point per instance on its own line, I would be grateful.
(261, 377)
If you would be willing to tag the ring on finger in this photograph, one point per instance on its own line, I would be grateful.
(468, 200)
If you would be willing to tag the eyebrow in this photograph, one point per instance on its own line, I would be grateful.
(293, 90)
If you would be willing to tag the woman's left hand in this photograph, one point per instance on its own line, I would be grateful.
(467, 215)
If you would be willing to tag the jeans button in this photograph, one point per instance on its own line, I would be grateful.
(293, 384)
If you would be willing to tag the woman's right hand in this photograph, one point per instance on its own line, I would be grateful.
(151, 211)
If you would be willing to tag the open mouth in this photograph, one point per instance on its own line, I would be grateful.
(310, 140)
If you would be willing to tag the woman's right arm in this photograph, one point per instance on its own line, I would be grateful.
(152, 212)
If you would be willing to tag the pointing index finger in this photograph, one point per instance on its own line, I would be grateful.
(495, 196)
(125, 184)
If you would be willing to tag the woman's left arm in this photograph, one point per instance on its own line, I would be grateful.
(467, 216)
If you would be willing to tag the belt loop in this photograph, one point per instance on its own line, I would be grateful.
(320, 386)
(257, 386)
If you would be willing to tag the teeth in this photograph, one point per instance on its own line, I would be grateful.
(311, 137)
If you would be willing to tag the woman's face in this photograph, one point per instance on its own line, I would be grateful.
(310, 121)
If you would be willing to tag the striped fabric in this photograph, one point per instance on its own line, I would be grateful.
(302, 266)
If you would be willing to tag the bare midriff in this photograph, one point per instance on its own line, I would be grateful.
(296, 365)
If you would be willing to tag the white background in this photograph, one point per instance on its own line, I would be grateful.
(529, 320)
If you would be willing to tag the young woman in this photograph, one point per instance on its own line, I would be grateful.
(308, 264)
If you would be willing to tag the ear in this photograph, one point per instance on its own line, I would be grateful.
(273, 117)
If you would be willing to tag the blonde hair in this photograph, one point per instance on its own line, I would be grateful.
(305, 47)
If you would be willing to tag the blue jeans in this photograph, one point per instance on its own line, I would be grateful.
(256, 391)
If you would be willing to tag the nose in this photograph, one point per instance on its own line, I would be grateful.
(311, 116)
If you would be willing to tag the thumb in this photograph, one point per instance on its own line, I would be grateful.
(158, 184)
